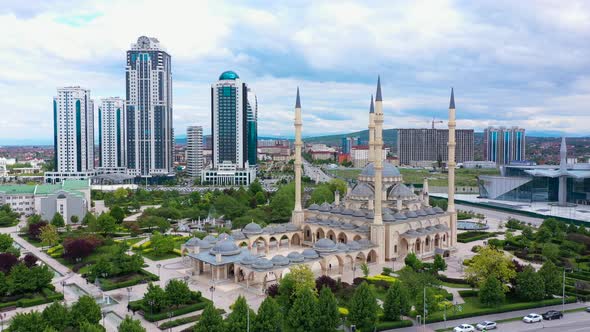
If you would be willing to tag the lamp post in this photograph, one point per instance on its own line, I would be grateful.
(151, 303)
(158, 266)
(212, 289)
(104, 314)
(170, 314)
(353, 271)
(2, 318)
(63, 290)
(129, 289)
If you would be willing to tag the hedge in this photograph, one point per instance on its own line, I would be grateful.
(468, 293)
(25, 303)
(178, 322)
(503, 308)
(107, 285)
(578, 276)
(444, 278)
(473, 236)
(381, 326)
(177, 312)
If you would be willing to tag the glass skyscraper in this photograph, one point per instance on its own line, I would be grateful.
(149, 109)
(504, 145)
(111, 132)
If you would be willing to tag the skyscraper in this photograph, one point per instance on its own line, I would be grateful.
(430, 145)
(252, 110)
(504, 145)
(149, 109)
(194, 150)
(233, 123)
(111, 132)
(73, 130)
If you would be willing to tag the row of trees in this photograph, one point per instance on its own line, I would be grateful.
(7, 216)
(175, 294)
(20, 276)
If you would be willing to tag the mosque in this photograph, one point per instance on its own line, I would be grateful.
(379, 220)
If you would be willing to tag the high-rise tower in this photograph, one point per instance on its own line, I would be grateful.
(252, 129)
(194, 150)
(73, 130)
(149, 109)
(111, 132)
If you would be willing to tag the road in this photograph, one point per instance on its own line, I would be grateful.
(315, 173)
(574, 319)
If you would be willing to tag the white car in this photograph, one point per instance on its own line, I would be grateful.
(487, 325)
(464, 328)
(532, 318)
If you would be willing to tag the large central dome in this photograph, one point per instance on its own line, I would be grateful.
(388, 170)
(228, 75)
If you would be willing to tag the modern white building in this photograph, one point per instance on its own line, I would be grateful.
(73, 134)
(111, 132)
(149, 133)
(194, 150)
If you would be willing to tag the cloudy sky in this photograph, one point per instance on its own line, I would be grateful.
(522, 63)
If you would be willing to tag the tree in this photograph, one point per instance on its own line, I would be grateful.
(40, 277)
(552, 278)
(49, 235)
(156, 296)
(85, 310)
(415, 282)
(255, 187)
(321, 194)
(34, 229)
(30, 260)
(260, 198)
(269, 317)
(120, 194)
(89, 219)
(105, 224)
(551, 251)
(102, 268)
(74, 219)
(162, 244)
(237, 320)
(27, 322)
(414, 262)
(210, 320)
(302, 316)
(338, 184)
(89, 327)
(7, 261)
(5, 242)
(299, 278)
(117, 213)
(328, 315)
(396, 302)
(78, 248)
(439, 263)
(58, 220)
(530, 285)
(130, 325)
(490, 262)
(365, 269)
(491, 292)
(432, 300)
(57, 316)
(177, 292)
(363, 308)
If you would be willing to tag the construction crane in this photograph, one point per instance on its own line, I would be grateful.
(434, 121)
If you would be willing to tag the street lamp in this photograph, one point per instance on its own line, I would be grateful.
(129, 289)
(151, 303)
(170, 314)
(353, 271)
(212, 289)
(104, 314)
(63, 290)
(158, 266)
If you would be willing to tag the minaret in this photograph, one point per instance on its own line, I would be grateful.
(425, 192)
(297, 215)
(562, 193)
(451, 169)
(377, 228)
(371, 132)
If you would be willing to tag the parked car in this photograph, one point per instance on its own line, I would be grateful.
(588, 309)
(552, 314)
(532, 318)
(464, 328)
(487, 325)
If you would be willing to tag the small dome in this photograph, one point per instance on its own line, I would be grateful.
(292, 227)
(347, 212)
(438, 210)
(421, 213)
(312, 221)
(388, 170)
(61, 196)
(362, 190)
(314, 207)
(324, 244)
(248, 259)
(210, 239)
(354, 245)
(370, 215)
(348, 226)
(224, 236)
(336, 210)
(386, 210)
(388, 217)
(341, 247)
(401, 191)
(358, 213)
(335, 223)
(238, 235)
(363, 228)
(365, 243)
(280, 260)
(411, 214)
(430, 211)
(225, 248)
(252, 228)
(295, 257)
(268, 229)
(228, 75)
(192, 242)
(205, 244)
(400, 216)
(325, 207)
(262, 263)
(280, 229)
(310, 254)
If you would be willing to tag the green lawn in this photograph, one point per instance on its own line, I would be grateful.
(154, 257)
(455, 285)
(463, 177)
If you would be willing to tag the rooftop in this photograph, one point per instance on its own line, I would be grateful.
(228, 75)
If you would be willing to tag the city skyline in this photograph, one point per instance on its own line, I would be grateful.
(522, 64)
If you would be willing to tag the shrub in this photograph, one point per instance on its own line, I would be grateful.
(327, 281)
(468, 293)
(381, 326)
